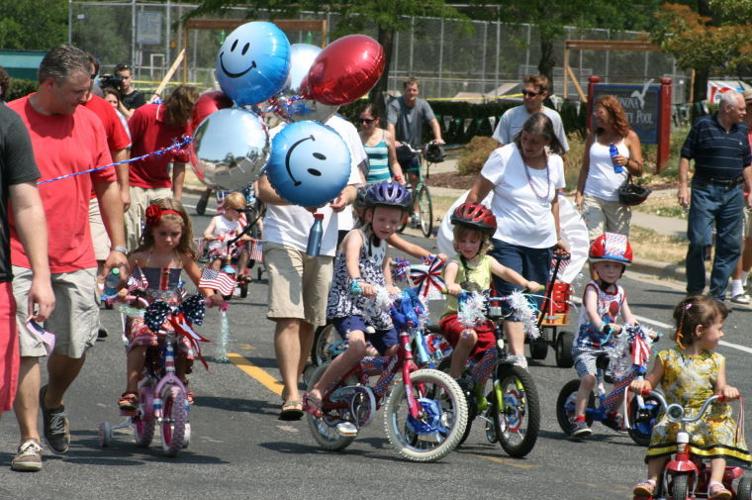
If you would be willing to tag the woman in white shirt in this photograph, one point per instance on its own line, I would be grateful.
(602, 175)
(525, 177)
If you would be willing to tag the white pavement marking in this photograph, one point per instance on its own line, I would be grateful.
(661, 324)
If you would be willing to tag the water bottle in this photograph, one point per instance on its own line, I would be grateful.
(614, 152)
(111, 283)
(314, 237)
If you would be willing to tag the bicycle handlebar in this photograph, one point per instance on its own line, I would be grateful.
(675, 412)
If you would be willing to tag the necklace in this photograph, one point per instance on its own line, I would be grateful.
(543, 200)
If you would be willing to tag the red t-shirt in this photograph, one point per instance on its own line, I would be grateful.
(64, 144)
(150, 133)
(117, 136)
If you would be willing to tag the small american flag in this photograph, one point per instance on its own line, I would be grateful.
(640, 351)
(137, 281)
(256, 252)
(218, 281)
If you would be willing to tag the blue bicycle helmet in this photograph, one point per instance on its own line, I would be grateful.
(388, 194)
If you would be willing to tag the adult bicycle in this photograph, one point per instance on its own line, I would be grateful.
(422, 216)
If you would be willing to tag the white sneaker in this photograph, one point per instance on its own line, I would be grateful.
(742, 298)
(518, 360)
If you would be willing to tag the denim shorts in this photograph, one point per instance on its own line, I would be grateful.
(533, 264)
(584, 361)
(382, 340)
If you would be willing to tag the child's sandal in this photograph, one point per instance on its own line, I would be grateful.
(128, 401)
(716, 491)
(644, 489)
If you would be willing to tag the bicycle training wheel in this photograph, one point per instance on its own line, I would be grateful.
(443, 422)
(425, 210)
(516, 414)
(174, 420)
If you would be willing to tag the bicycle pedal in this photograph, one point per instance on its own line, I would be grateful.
(347, 429)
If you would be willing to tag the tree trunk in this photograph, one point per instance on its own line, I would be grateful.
(377, 95)
(547, 62)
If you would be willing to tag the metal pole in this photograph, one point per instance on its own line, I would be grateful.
(527, 51)
(498, 48)
(441, 57)
(395, 61)
(133, 37)
(70, 22)
(412, 45)
(483, 64)
(167, 58)
(607, 74)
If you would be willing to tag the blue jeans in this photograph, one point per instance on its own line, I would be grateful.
(712, 203)
(534, 264)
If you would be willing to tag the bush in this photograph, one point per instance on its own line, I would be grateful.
(474, 155)
(20, 88)
(573, 160)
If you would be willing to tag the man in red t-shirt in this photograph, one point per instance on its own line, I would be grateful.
(66, 138)
(156, 126)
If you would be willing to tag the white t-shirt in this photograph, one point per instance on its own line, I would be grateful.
(522, 197)
(289, 225)
(349, 133)
(225, 227)
(602, 182)
(513, 119)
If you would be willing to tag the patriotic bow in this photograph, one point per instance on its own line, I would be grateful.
(427, 278)
(181, 318)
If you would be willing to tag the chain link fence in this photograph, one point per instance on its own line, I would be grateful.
(474, 60)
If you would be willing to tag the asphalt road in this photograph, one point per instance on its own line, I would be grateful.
(240, 450)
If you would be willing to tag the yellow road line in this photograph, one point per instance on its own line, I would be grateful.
(255, 372)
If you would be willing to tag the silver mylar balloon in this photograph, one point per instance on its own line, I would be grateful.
(291, 106)
(302, 56)
(230, 149)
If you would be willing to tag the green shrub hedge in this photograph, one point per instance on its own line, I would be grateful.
(20, 88)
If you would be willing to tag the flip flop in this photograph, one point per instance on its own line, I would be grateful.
(291, 410)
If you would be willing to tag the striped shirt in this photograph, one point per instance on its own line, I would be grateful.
(378, 161)
(717, 154)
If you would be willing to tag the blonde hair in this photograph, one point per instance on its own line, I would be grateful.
(185, 245)
(235, 201)
(461, 230)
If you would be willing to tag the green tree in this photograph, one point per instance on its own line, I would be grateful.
(389, 17)
(709, 36)
(27, 25)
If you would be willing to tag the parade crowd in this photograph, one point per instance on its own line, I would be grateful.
(62, 239)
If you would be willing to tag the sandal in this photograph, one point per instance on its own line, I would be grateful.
(716, 491)
(644, 489)
(128, 402)
(312, 405)
(291, 410)
(189, 396)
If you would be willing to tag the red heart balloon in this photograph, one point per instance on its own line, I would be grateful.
(345, 70)
(206, 104)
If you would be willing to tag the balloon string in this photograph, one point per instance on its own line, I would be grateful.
(177, 144)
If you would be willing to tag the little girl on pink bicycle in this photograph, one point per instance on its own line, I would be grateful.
(164, 253)
(362, 264)
(689, 373)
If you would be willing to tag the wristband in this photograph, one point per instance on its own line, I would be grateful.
(121, 249)
(355, 287)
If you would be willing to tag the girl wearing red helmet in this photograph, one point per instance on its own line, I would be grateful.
(603, 303)
(472, 270)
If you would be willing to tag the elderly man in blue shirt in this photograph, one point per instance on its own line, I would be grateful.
(719, 146)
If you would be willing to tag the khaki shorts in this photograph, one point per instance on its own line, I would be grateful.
(603, 216)
(99, 236)
(140, 199)
(75, 318)
(747, 230)
(298, 284)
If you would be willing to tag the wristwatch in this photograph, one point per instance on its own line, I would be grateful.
(120, 248)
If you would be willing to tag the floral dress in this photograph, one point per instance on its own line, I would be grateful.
(689, 379)
(342, 303)
(154, 283)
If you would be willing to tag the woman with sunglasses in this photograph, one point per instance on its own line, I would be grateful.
(379, 146)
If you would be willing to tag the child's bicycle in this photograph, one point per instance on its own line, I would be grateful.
(511, 410)
(162, 396)
(628, 362)
(421, 195)
(425, 413)
(686, 476)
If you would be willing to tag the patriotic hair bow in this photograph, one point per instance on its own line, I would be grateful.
(181, 318)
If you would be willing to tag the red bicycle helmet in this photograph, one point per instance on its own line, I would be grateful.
(476, 216)
(611, 247)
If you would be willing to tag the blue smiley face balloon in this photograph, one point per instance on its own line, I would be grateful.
(253, 62)
(309, 165)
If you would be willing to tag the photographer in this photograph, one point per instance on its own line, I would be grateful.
(130, 97)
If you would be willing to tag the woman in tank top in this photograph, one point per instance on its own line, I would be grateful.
(601, 175)
(379, 146)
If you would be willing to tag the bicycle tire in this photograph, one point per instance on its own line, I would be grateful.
(425, 210)
(324, 337)
(680, 487)
(144, 424)
(324, 434)
(517, 387)
(455, 416)
(565, 400)
(175, 417)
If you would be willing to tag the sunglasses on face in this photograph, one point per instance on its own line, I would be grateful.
(530, 93)
(366, 120)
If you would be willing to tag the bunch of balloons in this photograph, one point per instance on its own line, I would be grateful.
(261, 73)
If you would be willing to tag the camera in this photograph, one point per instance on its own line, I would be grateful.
(108, 80)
